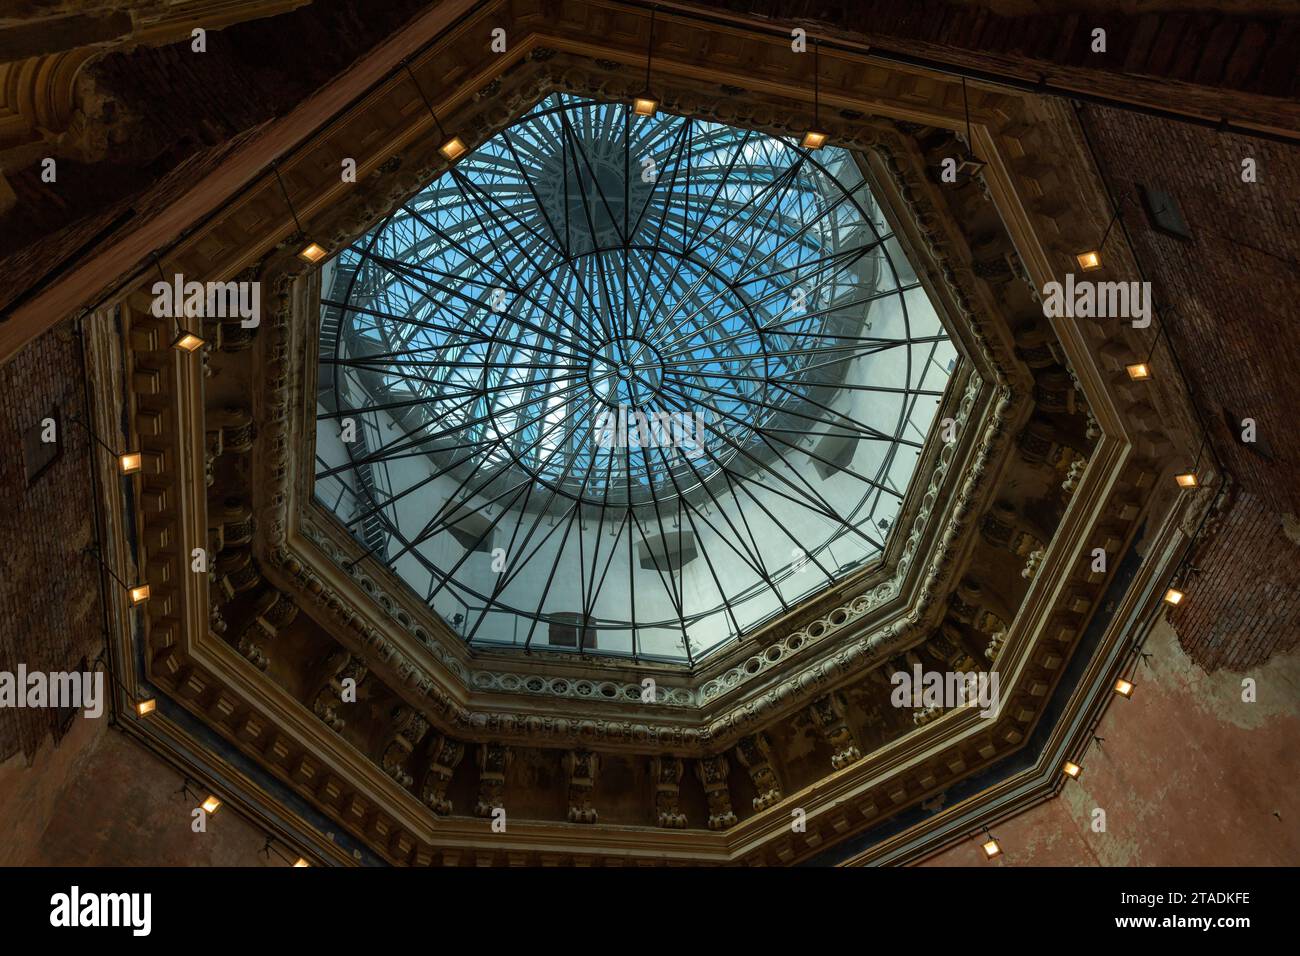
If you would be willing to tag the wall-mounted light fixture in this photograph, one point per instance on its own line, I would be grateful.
(815, 138)
(646, 104)
(453, 147)
(1090, 259)
(312, 252)
(1191, 477)
(990, 846)
(136, 593)
(185, 340)
(971, 164)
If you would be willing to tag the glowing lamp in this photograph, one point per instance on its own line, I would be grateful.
(453, 149)
(1139, 371)
(1089, 261)
(313, 252)
(187, 342)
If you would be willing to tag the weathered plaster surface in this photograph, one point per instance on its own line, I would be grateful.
(1188, 774)
(100, 799)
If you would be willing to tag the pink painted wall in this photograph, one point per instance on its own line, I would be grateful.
(1188, 774)
(100, 799)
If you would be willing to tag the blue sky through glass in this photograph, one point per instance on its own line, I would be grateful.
(511, 335)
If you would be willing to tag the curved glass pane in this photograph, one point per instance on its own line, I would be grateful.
(626, 385)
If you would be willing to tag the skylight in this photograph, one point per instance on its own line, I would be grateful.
(625, 385)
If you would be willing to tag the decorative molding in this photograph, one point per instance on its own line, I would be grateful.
(365, 777)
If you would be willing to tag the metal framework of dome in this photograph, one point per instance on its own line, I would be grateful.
(626, 385)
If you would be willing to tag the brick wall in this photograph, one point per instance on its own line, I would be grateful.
(85, 795)
(1234, 288)
(1235, 285)
(50, 613)
(1244, 603)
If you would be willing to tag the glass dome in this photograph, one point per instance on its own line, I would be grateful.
(625, 385)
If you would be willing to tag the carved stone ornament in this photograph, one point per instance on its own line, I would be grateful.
(493, 760)
(755, 755)
(667, 775)
(581, 767)
(712, 772)
(444, 756)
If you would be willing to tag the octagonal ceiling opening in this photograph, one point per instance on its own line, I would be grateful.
(625, 385)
